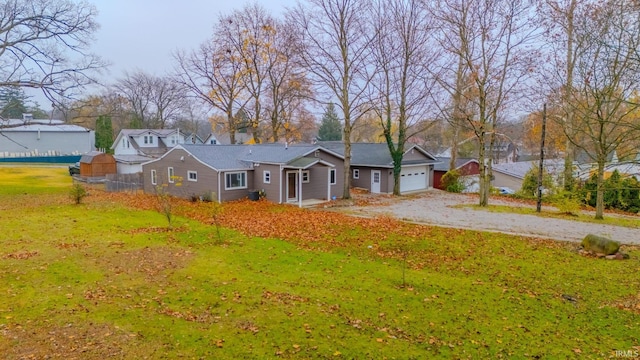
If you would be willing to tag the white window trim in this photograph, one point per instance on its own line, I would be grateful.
(266, 177)
(154, 177)
(226, 184)
(170, 175)
(305, 173)
(356, 173)
(335, 180)
(189, 176)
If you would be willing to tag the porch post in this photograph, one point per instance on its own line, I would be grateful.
(300, 187)
(328, 183)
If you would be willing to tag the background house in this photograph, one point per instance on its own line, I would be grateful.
(511, 175)
(38, 138)
(132, 147)
(465, 166)
(372, 167)
(284, 174)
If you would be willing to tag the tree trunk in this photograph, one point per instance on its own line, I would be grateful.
(484, 193)
(346, 193)
(600, 188)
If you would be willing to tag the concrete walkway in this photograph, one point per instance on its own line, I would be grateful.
(436, 208)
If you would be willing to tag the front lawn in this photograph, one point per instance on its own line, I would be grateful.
(110, 279)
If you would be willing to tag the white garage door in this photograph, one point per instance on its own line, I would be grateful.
(413, 178)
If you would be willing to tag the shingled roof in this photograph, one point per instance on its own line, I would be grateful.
(242, 157)
(373, 154)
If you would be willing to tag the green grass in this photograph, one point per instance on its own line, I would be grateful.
(102, 279)
(610, 218)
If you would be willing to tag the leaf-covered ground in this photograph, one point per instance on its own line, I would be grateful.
(110, 279)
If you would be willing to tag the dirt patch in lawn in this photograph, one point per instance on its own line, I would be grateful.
(153, 262)
(71, 341)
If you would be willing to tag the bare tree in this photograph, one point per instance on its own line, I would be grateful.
(252, 33)
(559, 18)
(607, 74)
(44, 45)
(491, 46)
(286, 84)
(137, 89)
(403, 47)
(336, 48)
(168, 100)
(212, 73)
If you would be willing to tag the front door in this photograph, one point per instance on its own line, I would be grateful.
(375, 181)
(292, 186)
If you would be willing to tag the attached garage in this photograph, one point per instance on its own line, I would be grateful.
(372, 167)
(414, 178)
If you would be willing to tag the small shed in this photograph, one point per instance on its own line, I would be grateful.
(97, 164)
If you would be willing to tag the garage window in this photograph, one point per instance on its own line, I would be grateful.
(154, 177)
(356, 173)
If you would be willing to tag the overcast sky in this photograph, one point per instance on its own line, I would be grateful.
(141, 34)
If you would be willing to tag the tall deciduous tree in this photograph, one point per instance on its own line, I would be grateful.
(607, 74)
(336, 47)
(44, 44)
(252, 33)
(402, 48)
(490, 43)
(155, 101)
(330, 127)
(564, 44)
(213, 74)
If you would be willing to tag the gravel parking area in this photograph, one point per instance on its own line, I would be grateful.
(435, 208)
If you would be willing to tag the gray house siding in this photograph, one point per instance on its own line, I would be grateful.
(270, 189)
(414, 154)
(364, 178)
(319, 191)
(228, 195)
(504, 180)
(207, 178)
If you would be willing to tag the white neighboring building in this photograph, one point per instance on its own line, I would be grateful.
(34, 137)
(132, 147)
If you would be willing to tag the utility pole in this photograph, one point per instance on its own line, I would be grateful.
(540, 169)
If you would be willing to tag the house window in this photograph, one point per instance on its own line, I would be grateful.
(356, 173)
(170, 174)
(266, 177)
(192, 175)
(305, 176)
(316, 153)
(235, 180)
(332, 176)
(146, 139)
(154, 177)
(213, 142)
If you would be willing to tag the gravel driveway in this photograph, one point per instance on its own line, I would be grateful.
(435, 207)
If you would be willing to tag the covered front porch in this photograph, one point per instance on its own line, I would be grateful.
(307, 182)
